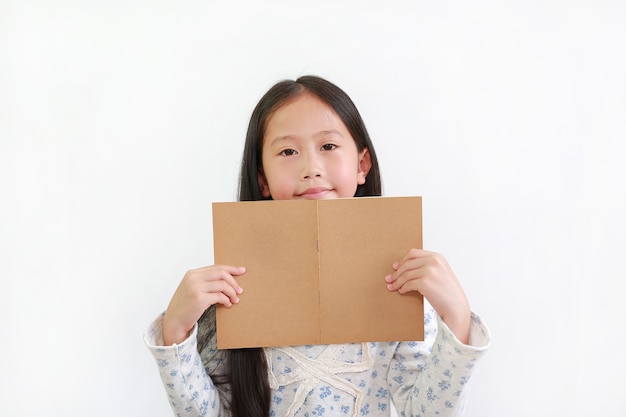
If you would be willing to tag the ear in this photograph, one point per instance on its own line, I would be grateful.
(265, 190)
(365, 163)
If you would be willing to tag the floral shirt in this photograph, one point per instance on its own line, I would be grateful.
(426, 378)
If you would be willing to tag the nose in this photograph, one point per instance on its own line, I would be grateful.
(312, 166)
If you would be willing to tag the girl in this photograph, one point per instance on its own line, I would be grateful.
(306, 139)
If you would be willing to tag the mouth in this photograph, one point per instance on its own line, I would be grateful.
(314, 193)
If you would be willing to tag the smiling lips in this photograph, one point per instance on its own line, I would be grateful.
(314, 192)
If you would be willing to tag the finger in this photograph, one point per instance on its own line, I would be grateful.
(398, 281)
(411, 285)
(419, 259)
(220, 298)
(414, 253)
(221, 272)
(233, 270)
(221, 287)
(407, 265)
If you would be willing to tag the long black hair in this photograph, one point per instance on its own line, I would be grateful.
(246, 377)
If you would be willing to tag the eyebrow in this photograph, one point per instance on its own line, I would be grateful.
(318, 134)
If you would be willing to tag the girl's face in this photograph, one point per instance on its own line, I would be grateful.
(308, 153)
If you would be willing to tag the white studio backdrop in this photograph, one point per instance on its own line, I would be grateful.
(121, 123)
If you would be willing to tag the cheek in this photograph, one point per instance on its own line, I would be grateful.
(279, 182)
(347, 181)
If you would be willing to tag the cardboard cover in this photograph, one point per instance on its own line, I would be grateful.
(315, 271)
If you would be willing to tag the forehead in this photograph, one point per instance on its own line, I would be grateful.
(304, 115)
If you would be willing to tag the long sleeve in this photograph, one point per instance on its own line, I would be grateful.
(430, 378)
(423, 379)
(189, 389)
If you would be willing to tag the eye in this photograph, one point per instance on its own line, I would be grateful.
(328, 146)
(287, 152)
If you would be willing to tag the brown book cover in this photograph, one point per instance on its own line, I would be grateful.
(315, 271)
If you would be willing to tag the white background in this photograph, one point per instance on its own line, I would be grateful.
(121, 123)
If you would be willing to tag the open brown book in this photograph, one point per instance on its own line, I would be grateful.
(315, 271)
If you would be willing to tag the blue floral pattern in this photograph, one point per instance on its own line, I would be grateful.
(426, 378)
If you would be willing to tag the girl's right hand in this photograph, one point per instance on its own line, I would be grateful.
(199, 289)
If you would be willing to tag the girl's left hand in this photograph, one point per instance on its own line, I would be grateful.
(430, 274)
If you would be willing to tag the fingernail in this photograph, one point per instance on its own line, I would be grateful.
(388, 278)
(395, 265)
(239, 290)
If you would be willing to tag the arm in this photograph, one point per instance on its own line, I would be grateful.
(435, 380)
(189, 389)
(430, 274)
(172, 338)
(431, 378)
(199, 289)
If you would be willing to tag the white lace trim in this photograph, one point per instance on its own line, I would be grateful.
(325, 368)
